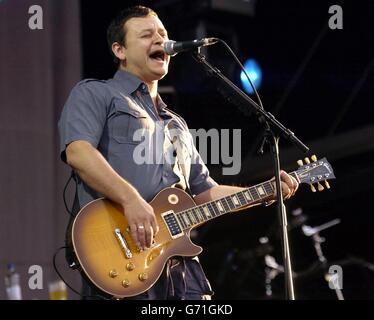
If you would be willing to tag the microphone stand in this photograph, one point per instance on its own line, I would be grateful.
(273, 130)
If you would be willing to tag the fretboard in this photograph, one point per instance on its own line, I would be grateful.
(210, 210)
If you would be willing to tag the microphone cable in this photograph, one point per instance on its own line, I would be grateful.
(243, 69)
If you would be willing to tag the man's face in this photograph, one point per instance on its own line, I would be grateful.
(144, 52)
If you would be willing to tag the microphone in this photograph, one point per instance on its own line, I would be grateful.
(173, 47)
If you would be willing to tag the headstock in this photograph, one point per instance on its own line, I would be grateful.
(315, 172)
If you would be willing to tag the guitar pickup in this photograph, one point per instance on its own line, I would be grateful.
(172, 224)
(123, 243)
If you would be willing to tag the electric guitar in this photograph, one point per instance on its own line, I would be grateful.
(110, 259)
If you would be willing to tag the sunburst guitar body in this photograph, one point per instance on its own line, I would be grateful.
(109, 258)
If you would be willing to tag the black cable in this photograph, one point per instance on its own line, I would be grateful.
(58, 273)
(63, 280)
(242, 67)
(72, 176)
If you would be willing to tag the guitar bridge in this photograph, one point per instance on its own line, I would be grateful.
(123, 243)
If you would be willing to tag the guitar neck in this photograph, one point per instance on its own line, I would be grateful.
(210, 210)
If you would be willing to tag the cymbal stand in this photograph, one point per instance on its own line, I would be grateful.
(334, 274)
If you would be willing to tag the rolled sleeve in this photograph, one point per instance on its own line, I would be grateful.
(83, 116)
(200, 179)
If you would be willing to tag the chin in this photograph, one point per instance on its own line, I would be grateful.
(159, 74)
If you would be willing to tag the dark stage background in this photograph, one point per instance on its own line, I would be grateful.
(317, 81)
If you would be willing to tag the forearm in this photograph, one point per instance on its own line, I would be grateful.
(96, 172)
(215, 193)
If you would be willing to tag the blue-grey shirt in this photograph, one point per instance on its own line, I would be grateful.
(117, 116)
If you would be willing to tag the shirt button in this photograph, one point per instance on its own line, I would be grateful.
(143, 87)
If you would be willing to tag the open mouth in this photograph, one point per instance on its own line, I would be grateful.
(158, 55)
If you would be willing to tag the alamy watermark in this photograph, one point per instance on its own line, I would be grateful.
(36, 19)
(335, 277)
(336, 20)
(220, 148)
(160, 145)
(36, 280)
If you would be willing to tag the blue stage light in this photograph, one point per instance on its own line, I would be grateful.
(254, 72)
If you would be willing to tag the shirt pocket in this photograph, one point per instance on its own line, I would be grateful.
(129, 124)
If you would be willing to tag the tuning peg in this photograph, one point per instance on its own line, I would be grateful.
(307, 161)
(300, 163)
(314, 158)
(313, 188)
(327, 184)
(320, 187)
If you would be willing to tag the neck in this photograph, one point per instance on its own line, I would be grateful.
(151, 84)
(152, 88)
(237, 201)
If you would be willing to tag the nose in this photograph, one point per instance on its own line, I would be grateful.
(159, 39)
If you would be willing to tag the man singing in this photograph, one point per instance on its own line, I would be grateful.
(97, 128)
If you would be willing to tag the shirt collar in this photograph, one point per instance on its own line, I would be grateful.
(161, 105)
(130, 83)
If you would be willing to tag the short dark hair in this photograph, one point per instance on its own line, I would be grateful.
(116, 31)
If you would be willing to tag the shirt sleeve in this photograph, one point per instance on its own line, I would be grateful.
(83, 116)
(199, 179)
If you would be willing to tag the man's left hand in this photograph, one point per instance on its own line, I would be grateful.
(289, 185)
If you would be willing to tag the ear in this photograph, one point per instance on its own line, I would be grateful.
(119, 51)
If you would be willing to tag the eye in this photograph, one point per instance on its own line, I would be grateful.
(163, 34)
(147, 35)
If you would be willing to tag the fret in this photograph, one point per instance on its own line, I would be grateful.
(200, 215)
(220, 207)
(241, 198)
(194, 212)
(215, 208)
(235, 200)
(185, 219)
(211, 211)
(191, 216)
(180, 219)
(207, 205)
(272, 186)
(261, 191)
(207, 212)
(230, 203)
(203, 213)
(268, 186)
(225, 204)
(247, 195)
(254, 194)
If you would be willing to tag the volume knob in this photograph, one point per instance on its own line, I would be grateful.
(143, 276)
(130, 266)
(126, 283)
(113, 273)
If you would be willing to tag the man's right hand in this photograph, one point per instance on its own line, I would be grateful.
(142, 222)
(96, 172)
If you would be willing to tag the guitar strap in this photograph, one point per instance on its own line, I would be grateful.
(181, 157)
